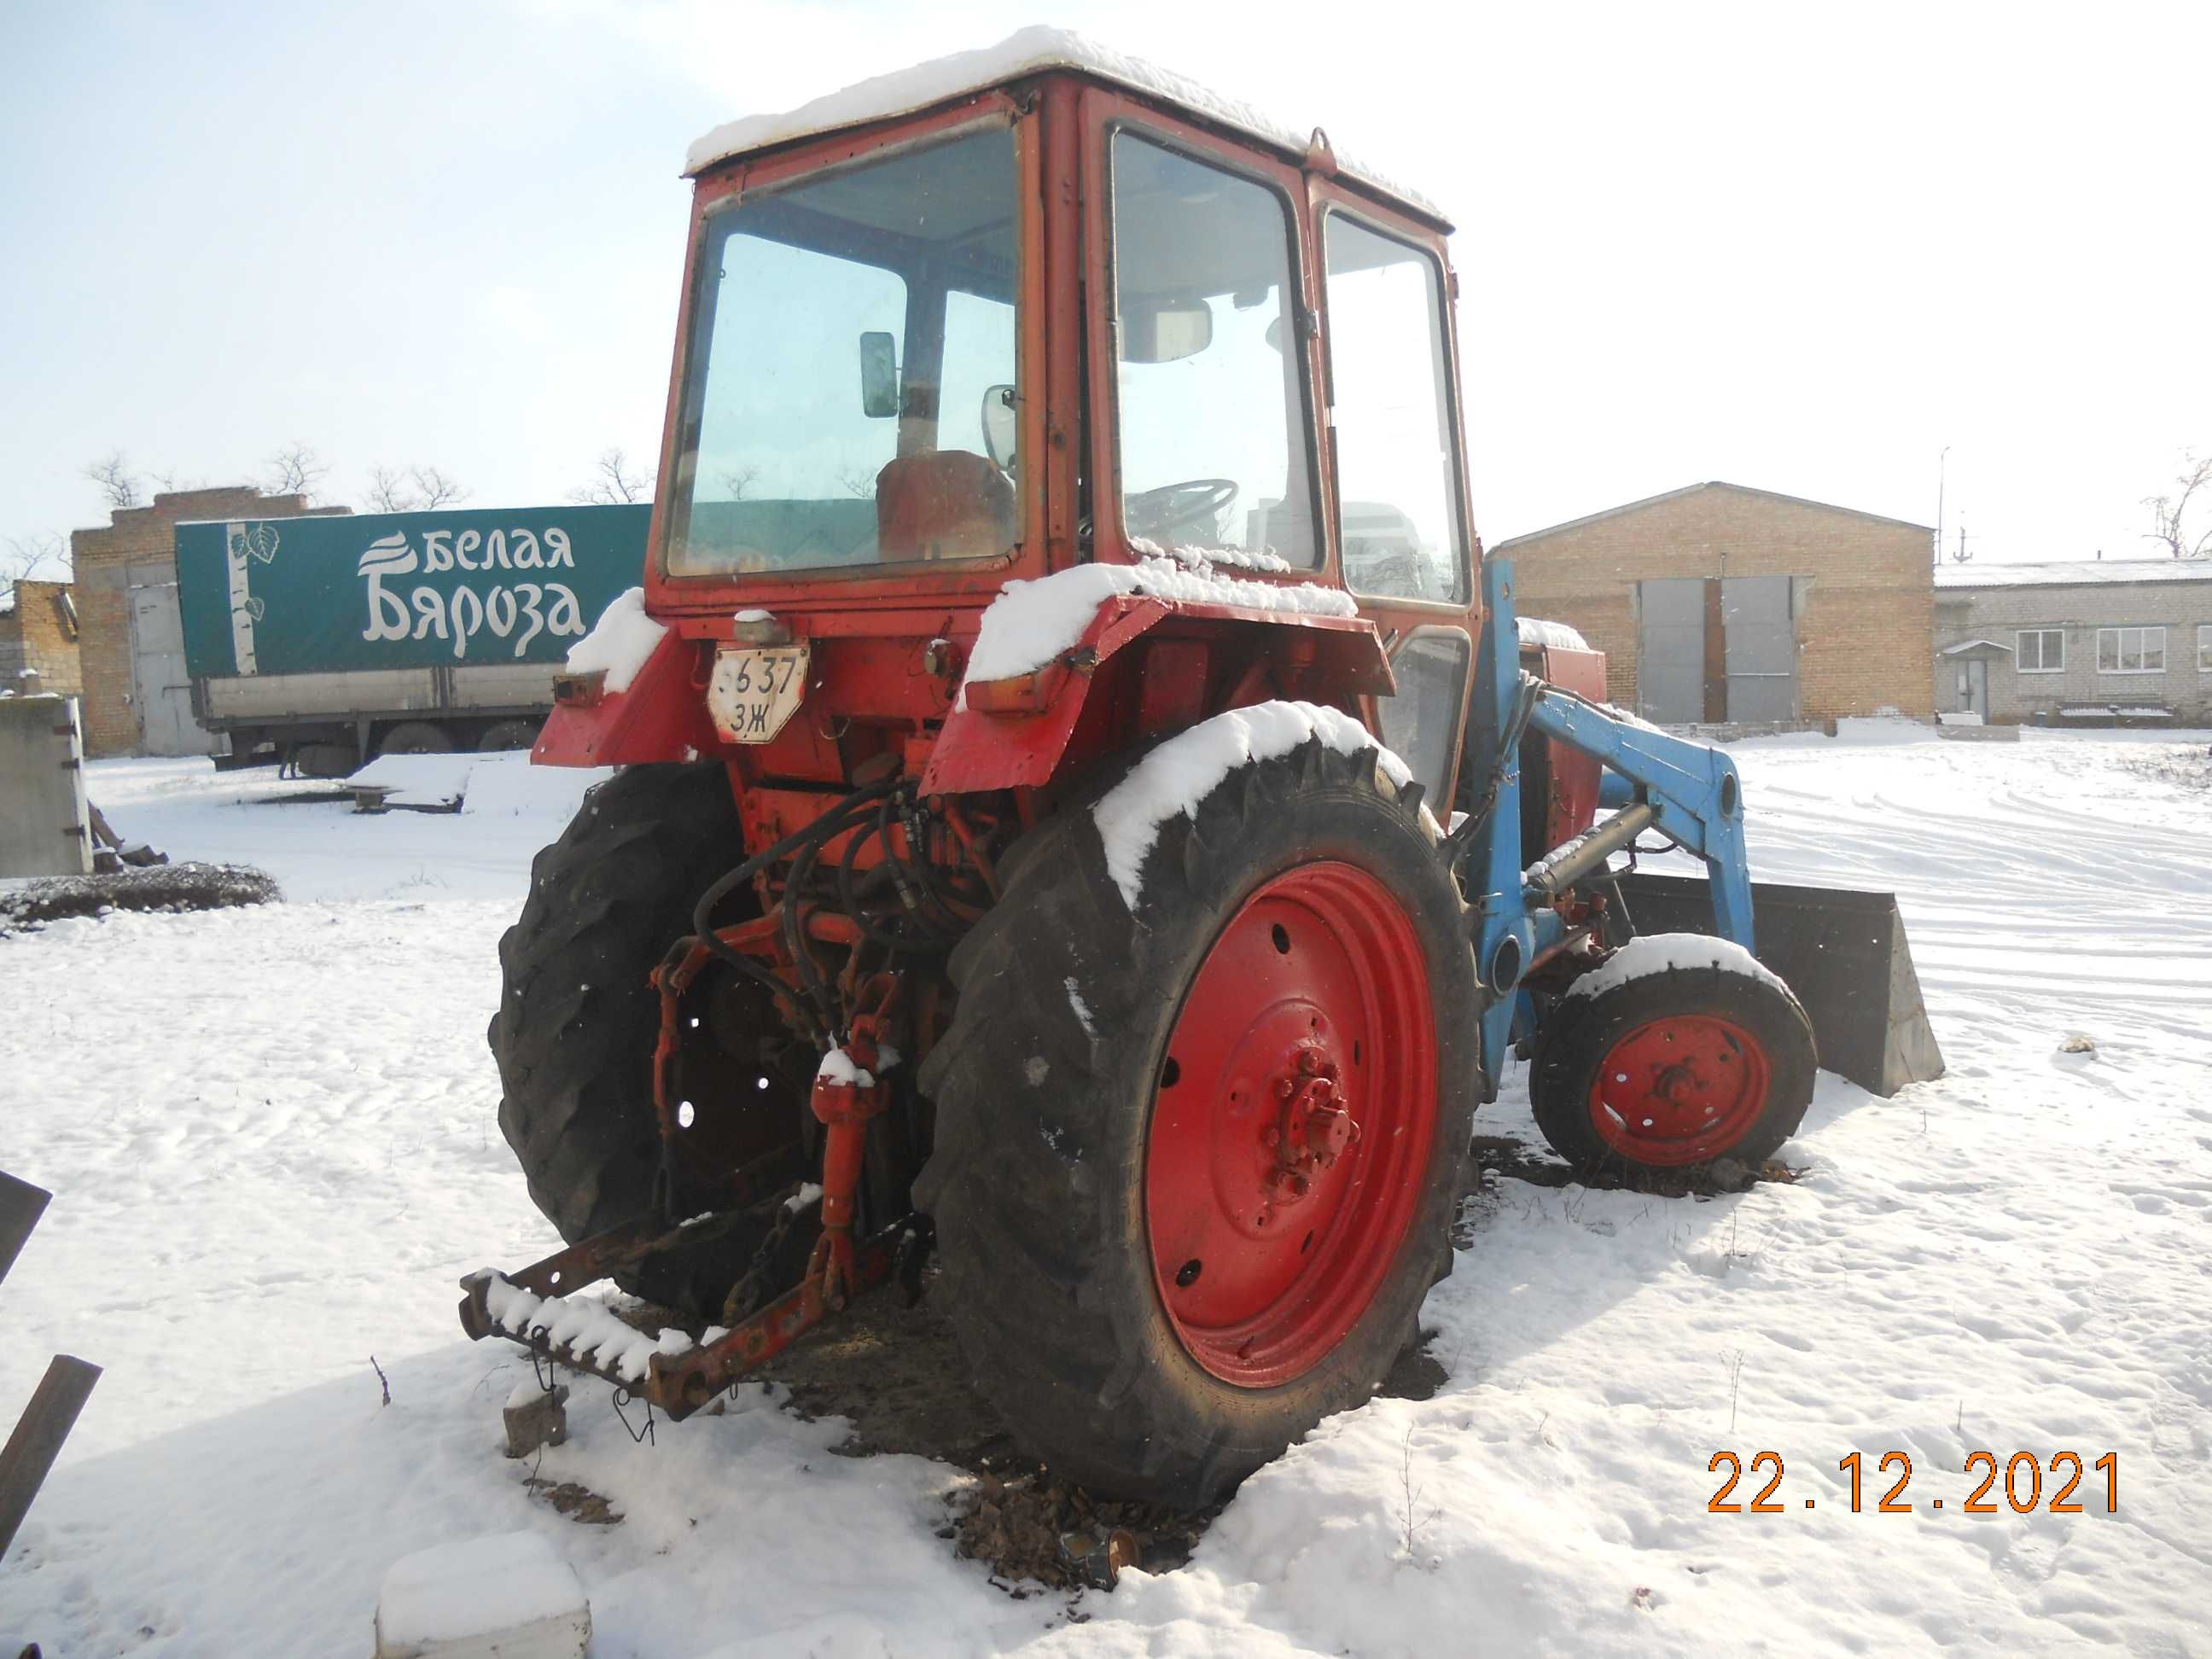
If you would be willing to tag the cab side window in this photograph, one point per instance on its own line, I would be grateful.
(1418, 724)
(1397, 488)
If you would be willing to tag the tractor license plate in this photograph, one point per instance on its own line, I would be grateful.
(756, 690)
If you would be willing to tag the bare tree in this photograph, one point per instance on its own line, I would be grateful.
(436, 487)
(295, 469)
(117, 483)
(612, 483)
(2171, 511)
(167, 482)
(738, 482)
(414, 489)
(30, 558)
(387, 491)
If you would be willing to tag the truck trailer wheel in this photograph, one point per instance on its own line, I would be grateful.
(1194, 1167)
(577, 1023)
(1679, 1051)
(416, 738)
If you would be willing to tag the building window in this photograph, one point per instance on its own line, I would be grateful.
(2204, 647)
(2131, 651)
(2042, 650)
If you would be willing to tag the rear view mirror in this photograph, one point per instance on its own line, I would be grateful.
(999, 426)
(880, 386)
(1165, 331)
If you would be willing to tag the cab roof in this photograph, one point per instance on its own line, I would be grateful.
(1027, 51)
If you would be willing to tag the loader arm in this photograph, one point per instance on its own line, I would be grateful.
(1689, 792)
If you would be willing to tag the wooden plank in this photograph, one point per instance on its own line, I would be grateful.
(21, 1206)
(37, 1441)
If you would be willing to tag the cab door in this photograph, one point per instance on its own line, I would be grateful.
(1395, 493)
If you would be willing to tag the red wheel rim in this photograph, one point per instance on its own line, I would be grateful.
(1681, 1090)
(1290, 1136)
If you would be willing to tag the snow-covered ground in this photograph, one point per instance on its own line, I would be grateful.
(270, 1137)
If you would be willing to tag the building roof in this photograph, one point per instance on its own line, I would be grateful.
(1971, 645)
(1030, 51)
(1692, 490)
(2075, 572)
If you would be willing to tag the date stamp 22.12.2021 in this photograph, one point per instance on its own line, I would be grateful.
(2019, 1481)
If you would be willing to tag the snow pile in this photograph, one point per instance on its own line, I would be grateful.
(1656, 953)
(1026, 52)
(1558, 634)
(1030, 623)
(620, 641)
(579, 1323)
(509, 787)
(1187, 767)
(839, 1069)
(433, 780)
(512, 1593)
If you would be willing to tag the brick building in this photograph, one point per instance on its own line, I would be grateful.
(37, 635)
(2105, 641)
(1721, 604)
(131, 646)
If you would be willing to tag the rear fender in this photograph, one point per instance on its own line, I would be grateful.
(661, 716)
(1157, 663)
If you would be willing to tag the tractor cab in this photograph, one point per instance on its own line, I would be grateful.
(1034, 308)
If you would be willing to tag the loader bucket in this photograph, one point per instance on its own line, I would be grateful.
(1843, 951)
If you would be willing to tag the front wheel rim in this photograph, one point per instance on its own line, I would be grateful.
(1292, 1124)
(1681, 1090)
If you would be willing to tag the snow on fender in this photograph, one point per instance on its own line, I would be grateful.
(1657, 953)
(1030, 623)
(619, 642)
(1184, 770)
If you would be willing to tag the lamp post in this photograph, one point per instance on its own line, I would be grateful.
(1941, 461)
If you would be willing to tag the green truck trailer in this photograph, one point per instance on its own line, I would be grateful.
(322, 642)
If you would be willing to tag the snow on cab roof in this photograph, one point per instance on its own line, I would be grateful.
(1026, 52)
(2073, 573)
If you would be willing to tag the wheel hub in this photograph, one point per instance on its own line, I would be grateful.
(1315, 1126)
(1680, 1090)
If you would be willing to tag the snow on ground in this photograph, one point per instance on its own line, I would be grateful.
(270, 1136)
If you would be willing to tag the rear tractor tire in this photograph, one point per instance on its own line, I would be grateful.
(1195, 1166)
(578, 1021)
(1679, 1053)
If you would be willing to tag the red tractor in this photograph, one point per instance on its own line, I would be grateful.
(1061, 652)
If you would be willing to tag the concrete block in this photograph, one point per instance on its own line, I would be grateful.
(46, 827)
(1977, 733)
(510, 1596)
(535, 1418)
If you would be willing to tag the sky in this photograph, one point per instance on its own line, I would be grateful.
(1805, 248)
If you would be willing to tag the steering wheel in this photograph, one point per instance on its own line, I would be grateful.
(1169, 508)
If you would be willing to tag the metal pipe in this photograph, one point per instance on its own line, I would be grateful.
(1551, 875)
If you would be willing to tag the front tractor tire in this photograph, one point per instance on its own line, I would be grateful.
(1680, 1053)
(578, 1020)
(1195, 1166)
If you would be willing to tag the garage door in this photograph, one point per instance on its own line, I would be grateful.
(1670, 650)
(1762, 648)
